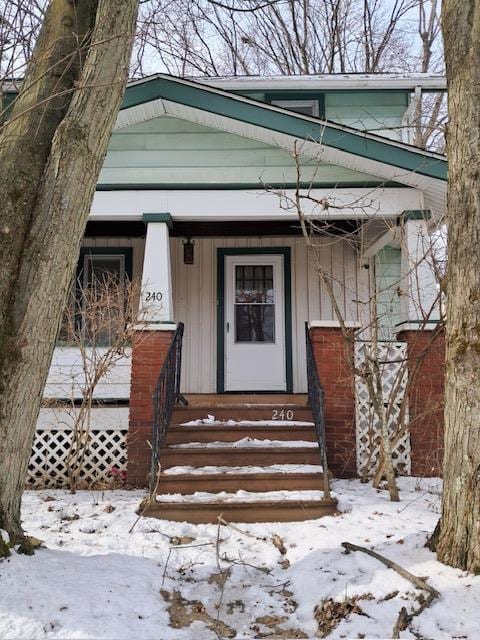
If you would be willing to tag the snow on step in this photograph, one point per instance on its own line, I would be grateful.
(246, 443)
(211, 420)
(242, 496)
(274, 468)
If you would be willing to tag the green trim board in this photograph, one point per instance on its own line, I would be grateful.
(287, 283)
(229, 186)
(416, 214)
(320, 131)
(158, 217)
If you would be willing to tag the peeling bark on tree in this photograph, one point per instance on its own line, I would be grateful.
(459, 532)
(51, 153)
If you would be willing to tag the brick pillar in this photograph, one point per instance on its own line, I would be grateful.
(333, 358)
(426, 399)
(148, 355)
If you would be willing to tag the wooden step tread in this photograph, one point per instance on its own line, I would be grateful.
(232, 483)
(248, 512)
(251, 425)
(194, 477)
(231, 399)
(245, 469)
(226, 450)
(255, 456)
(179, 434)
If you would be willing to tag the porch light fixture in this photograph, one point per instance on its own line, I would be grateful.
(188, 251)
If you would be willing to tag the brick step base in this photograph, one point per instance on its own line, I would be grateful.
(236, 457)
(208, 512)
(178, 434)
(232, 482)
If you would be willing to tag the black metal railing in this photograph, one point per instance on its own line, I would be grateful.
(166, 395)
(316, 400)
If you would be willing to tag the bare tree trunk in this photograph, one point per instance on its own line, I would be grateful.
(459, 535)
(46, 194)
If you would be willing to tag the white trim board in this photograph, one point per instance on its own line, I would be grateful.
(205, 204)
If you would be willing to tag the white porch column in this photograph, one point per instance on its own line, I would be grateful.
(157, 276)
(419, 282)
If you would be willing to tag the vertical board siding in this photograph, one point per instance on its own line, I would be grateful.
(195, 298)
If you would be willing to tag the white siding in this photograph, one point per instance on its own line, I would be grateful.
(195, 296)
(66, 377)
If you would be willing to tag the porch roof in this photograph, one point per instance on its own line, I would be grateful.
(313, 137)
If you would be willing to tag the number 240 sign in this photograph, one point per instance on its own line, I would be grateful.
(153, 296)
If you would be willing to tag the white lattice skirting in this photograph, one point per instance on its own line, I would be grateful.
(394, 380)
(105, 458)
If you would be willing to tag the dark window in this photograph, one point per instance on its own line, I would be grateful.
(254, 303)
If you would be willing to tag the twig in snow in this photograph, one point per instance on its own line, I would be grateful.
(147, 501)
(404, 618)
(281, 585)
(223, 574)
(241, 563)
(222, 520)
(166, 565)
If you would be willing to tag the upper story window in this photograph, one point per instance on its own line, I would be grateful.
(305, 107)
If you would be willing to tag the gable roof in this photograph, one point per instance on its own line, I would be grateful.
(312, 137)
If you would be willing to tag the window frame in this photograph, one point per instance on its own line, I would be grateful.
(288, 104)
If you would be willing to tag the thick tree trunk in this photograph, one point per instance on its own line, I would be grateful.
(459, 535)
(41, 267)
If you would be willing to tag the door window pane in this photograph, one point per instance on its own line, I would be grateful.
(254, 284)
(255, 323)
(254, 303)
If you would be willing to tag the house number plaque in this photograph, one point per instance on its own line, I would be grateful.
(281, 414)
(153, 296)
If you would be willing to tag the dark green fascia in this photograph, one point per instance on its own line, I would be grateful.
(158, 217)
(399, 324)
(416, 214)
(287, 278)
(228, 186)
(257, 114)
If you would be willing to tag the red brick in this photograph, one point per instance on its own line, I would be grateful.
(426, 399)
(148, 355)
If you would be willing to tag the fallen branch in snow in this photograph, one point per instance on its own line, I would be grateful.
(222, 520)
(404, 618)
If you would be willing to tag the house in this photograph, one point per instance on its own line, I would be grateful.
(197, 199)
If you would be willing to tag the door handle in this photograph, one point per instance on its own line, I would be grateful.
(228, 327)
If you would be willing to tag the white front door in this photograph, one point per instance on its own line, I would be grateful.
(254, 323)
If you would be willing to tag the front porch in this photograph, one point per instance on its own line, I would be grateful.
(194, 294)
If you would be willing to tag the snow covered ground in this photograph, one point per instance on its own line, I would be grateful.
(170, 581)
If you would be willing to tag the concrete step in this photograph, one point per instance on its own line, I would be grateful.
(263, 511)
(231, 456)
(178, 434)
